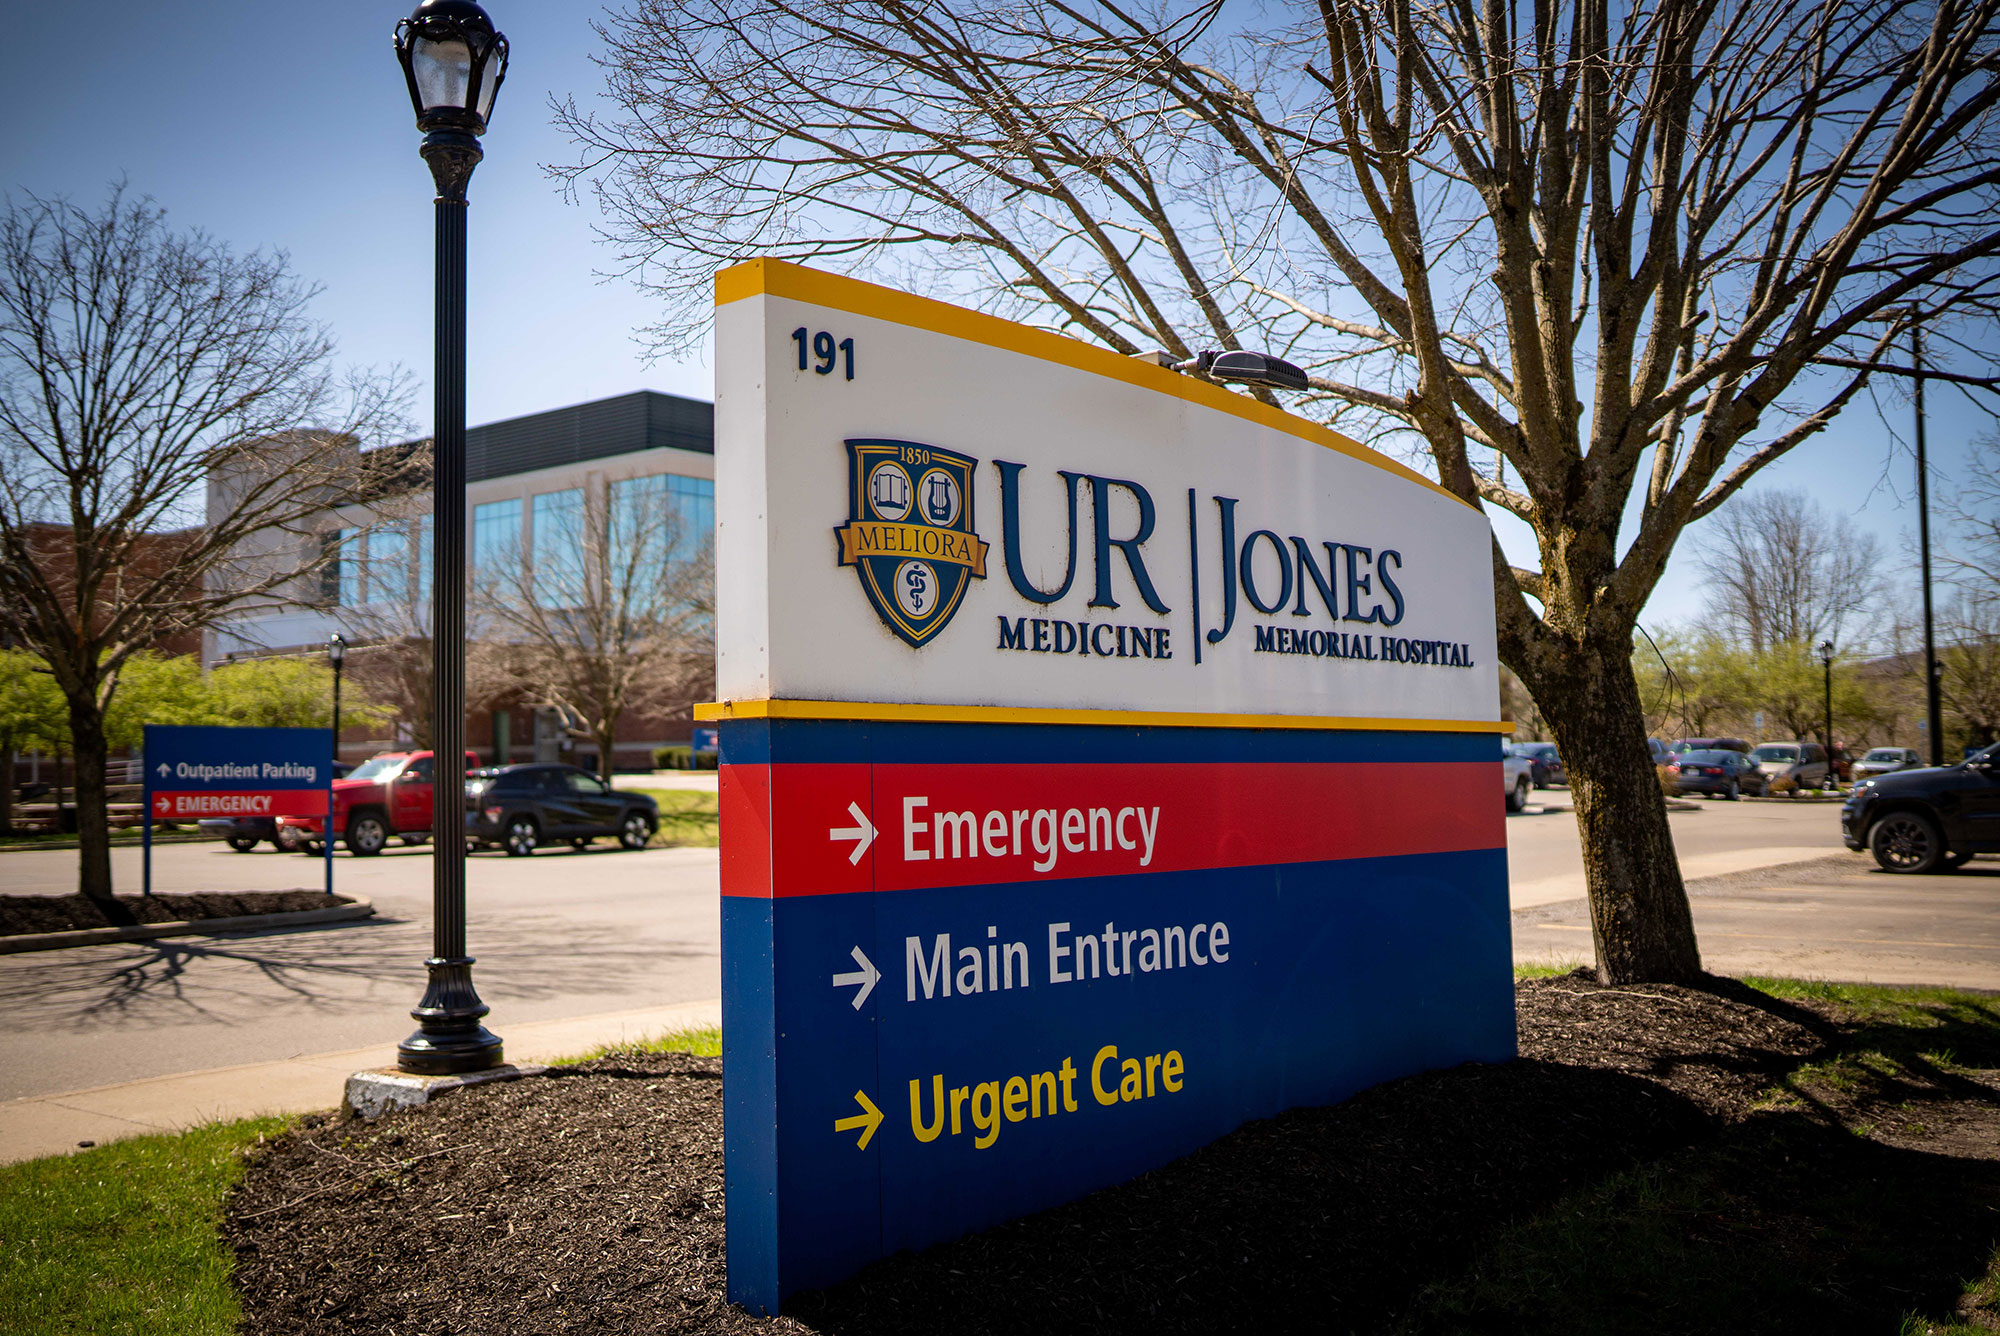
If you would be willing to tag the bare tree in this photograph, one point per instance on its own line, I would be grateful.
(1574, 254)
(377, 585)
(1969, 665)
(611, 613)
(1781, 571)
(167, 420)
(1970, 554)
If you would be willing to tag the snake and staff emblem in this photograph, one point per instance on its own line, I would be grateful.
(909, 533)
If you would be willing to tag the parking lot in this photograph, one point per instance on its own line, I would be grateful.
(1713, 837)
(1839, 917)
(558, 935)
(565, 934)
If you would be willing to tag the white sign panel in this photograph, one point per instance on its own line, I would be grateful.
(918, 504)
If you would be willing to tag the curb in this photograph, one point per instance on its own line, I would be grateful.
(63, 846)
(51, 941)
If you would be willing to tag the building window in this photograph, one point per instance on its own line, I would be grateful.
(496, 536)
(388, 566)
(352, 586)
(666, 509)
(658, 522)
(420, 555)
(693, 500)
(330, 572)
(557, 552)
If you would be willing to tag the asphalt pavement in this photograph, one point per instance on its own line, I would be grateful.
(1713, 837)
(1838, 917)
(559, 935)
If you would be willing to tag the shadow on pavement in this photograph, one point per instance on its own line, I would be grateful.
(222, 979)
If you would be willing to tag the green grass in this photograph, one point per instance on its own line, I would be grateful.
(122, 1238)
(1554, 971)
(1919, 1007)
(688, 818)
(703, 1042)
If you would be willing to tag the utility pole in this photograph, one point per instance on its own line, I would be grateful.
(1933, 710)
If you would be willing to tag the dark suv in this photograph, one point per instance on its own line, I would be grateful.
(519, 807)
(1929, 820)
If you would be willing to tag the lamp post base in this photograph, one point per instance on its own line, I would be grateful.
(449, 1037)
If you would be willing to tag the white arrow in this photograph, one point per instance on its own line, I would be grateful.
(864, 833)
(165, 769)
(866, 976)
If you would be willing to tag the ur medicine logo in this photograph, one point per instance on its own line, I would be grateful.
(909, 533)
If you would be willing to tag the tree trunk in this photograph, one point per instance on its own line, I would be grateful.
(90, 753)
(1638, 907)
(7, 785)
(605, 736)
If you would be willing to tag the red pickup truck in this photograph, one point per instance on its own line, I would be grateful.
(386, 795)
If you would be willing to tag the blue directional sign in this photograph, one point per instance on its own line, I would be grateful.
(963, 981)
(201, 771)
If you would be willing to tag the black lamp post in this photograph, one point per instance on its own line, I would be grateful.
(454, 62)
(336, 654)
(1826, 663)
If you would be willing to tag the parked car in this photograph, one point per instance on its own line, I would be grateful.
(387, 795)
(1718, 773)
(1517, 773)
(244, 833)
(1803, 763)
(1928, 820)
(522, 807)
(1885, 761)
(1709, 744)
(1660, 751)
(1548, 766)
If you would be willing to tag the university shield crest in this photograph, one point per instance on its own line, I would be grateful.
(909, 533)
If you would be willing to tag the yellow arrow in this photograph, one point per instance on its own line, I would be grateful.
(867, 1122)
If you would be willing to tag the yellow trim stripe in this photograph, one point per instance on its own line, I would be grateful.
(882, 712)
(780, 278)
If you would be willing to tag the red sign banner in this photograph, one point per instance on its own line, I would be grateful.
(185, 806)
(859, 828)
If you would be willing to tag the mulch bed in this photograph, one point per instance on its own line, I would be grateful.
(591, 1200)
(22, 914)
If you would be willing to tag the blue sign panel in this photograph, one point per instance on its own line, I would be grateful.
(963, 981)
(196, 772)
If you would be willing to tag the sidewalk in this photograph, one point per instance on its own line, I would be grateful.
(1832, 917)
(51, 1124)
(1570, 885)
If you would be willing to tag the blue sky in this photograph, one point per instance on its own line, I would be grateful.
(288, 127)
